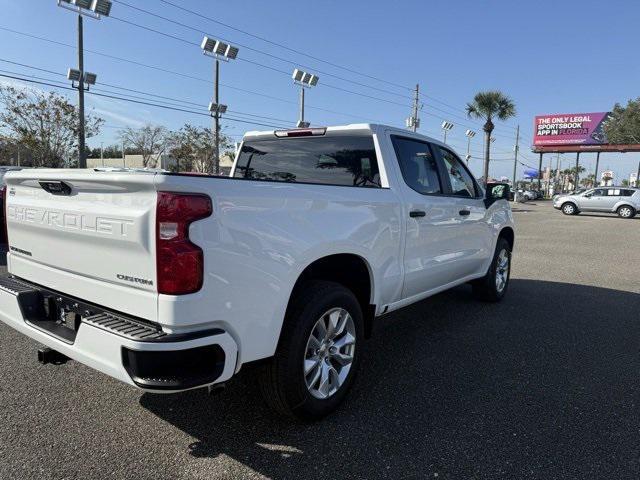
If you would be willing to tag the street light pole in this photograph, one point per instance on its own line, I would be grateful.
(216, 122)
(515, 157)
(301, 120)
(82, 159)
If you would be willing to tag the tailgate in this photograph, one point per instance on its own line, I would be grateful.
(87, 234)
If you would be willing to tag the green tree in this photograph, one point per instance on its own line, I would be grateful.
(623, 126)
(192, 147)
(488, 106)
(43, 125)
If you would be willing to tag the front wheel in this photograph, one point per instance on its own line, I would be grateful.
(626, 211)
(318, 354)
(569, 209)
(493, 286)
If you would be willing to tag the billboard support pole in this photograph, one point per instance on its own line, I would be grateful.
(595, 175)
(577, 175)
(515, 158)
(540, 173)
(638, 176)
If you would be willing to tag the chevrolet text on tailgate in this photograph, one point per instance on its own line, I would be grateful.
(172, 282)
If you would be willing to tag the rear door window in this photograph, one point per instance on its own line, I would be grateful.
(327, 160)
(418, 165)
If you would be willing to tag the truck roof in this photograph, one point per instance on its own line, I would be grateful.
(349, 129)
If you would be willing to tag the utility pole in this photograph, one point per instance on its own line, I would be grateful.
(416, 103)
(124, 161)
(82, 159)
(413, 122)
(102, 153)
(515, 158)
(216, 122)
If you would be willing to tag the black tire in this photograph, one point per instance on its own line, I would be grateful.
(282, 380)
(569, 208)
(486, 288)
(626, 211)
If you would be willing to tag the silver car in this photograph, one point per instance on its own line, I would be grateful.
(624, 201)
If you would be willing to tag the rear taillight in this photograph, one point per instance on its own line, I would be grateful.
(180, 263)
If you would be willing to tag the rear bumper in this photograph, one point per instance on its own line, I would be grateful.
(139, 354)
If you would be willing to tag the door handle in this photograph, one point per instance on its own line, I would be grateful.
(417, 213)
(464, 213)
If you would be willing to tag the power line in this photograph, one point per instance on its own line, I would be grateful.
(183, 75)
(269, 67)
(271, 55)
(158, 105)
(180, 102)
(283, 46)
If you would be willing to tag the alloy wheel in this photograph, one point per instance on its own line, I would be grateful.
(330, 352)
(502, 270)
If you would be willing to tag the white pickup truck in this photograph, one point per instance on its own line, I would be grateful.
(170, 282)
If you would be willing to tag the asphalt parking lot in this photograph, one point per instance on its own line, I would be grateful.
(543, 385)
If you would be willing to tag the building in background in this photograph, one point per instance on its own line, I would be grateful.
(133, 161)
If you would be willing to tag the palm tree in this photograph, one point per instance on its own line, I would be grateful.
(487, 106)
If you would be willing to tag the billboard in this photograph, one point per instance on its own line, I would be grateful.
(570, 129)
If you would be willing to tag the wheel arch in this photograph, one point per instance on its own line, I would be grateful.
(509, 235)
(348, 269)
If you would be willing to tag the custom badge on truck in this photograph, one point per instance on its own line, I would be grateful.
(127, 278)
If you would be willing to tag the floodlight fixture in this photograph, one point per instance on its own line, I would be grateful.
(470, 133)
(305, 79)
(90, 78)
(89, 8)
(218, 49)
(217, 108)
(446, 125)
(101, 7)
(74, 75)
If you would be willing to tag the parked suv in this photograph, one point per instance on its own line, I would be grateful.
(170, 282)
(624, 201)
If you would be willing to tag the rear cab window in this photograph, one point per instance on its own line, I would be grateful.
(345, 160)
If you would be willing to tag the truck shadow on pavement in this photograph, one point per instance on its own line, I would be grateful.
(544, 384)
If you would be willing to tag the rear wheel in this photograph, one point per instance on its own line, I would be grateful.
(569, 209)
(626, 211)
(493, 286)
(318, 354)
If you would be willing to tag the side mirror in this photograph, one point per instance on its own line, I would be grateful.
(495, 192)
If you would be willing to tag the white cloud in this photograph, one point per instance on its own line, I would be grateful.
(119, 117)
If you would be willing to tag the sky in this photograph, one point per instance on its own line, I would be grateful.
(549, 57)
